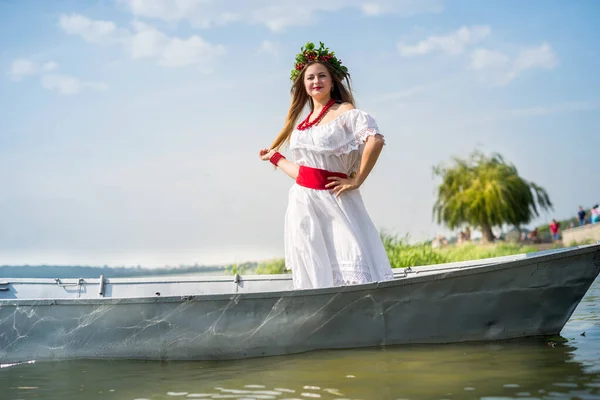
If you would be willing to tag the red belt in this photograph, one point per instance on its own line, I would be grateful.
(314, 178)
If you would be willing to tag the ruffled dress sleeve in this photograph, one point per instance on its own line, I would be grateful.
(345, 134)
(362, 125)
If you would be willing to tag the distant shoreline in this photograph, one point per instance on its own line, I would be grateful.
(77, 271)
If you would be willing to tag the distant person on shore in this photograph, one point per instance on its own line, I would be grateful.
(581, 215)
(595, 214)
(439, 241)
(533, 235)
(555, 230)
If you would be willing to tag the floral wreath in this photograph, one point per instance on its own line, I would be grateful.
(310, 54)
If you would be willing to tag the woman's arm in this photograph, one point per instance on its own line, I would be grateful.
(371, 152)
(286, 166)
(289, 168)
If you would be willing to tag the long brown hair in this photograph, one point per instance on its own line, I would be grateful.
(342, 93)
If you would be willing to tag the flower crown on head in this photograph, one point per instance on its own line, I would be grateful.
(310, 54)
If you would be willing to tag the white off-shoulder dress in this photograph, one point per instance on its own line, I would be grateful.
(332, 241)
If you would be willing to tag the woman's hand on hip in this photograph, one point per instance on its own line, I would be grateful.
(340, 185)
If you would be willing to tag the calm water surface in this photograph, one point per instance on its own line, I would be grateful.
(524, 369)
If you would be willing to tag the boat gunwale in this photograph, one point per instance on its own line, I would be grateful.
(453, 273)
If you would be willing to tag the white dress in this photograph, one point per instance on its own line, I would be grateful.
(332, 241)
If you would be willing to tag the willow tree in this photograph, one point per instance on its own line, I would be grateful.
(485, 192)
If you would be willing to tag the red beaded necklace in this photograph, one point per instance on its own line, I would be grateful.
(304, 125)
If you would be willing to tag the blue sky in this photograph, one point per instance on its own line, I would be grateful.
(130, 129)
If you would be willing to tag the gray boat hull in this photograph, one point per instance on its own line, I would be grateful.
(530, 296)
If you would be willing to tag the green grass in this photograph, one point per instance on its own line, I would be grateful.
(402, 254)
(582, 243)
(472, 251)
(276, 266)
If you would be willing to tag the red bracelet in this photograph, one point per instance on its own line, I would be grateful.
(276, 157)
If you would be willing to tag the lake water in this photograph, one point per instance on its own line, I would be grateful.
(539, 368)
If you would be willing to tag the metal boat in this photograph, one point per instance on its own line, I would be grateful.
(231, 317)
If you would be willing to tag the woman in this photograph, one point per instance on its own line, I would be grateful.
(330, 239)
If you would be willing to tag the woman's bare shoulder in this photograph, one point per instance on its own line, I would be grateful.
(342, 108)
(345, 107)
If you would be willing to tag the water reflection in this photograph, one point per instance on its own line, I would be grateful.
(536, 368)
(531, 368)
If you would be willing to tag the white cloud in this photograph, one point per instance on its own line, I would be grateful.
(276, 15)
(49, 66)
(553, 109)
(193, 50)
(453, 43)
(493, 66)
(21, 68)
(536, 111)
(63, 84)
(145, 41)
(500, 69)
(172, 10)
(269, 47)
(89, 30)
(402, 7)
(484, 58)
(407, 93)
(69, 85)
(536, 57)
